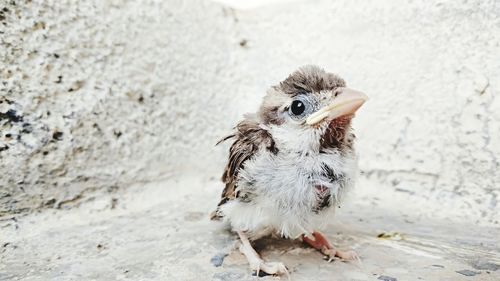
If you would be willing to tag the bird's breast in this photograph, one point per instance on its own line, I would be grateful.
(323, 198)
(311, 181)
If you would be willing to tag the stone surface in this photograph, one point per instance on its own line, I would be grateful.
(485, 265)
(387, 278)
(218, 259)
(147, 236)
(467, 272)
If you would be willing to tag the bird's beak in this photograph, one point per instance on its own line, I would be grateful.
(346, 102)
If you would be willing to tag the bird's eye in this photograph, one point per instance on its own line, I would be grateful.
(297, 107)
(300, 107)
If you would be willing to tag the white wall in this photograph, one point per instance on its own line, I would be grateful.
(432, 70)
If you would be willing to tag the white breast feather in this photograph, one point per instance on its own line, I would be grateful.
(283, 185)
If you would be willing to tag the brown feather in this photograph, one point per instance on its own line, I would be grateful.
(249, 138)
(337, 134)
(310, 79)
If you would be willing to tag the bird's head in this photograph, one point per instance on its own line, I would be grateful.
(310, 110)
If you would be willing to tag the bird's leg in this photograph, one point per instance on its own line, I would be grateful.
(323, 245)
(256, 263)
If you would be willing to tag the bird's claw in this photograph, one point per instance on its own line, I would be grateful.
(270, 268)
(328, 259)
(330, 255)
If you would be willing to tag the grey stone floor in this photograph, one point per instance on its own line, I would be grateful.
(161, 231)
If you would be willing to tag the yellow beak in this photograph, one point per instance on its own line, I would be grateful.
(346, 102)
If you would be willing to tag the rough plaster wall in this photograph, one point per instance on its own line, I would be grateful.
(98, 94)
(147, 87)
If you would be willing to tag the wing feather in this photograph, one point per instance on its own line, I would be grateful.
(249, 137)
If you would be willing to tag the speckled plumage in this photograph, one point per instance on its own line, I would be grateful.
(291, 163)
(283, 177)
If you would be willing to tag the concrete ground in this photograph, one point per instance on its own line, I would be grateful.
(161, 231)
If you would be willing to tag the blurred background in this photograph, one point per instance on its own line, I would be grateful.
(103, 99)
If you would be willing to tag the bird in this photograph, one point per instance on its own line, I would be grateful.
(290, 164)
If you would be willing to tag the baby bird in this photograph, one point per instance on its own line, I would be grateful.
(291, 163)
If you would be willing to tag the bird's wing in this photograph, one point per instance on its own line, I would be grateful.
(249, 137)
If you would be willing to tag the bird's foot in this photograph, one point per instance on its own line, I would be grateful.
(319, 242)
(262, 268)
(258, 265)
(330, 255)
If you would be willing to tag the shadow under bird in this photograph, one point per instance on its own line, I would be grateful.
(290, 164)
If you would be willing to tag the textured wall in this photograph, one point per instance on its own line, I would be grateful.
(100, 94)
(97, 94)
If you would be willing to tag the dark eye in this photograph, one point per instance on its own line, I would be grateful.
(297, 107)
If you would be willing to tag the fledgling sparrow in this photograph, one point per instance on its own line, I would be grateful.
(290, 164)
